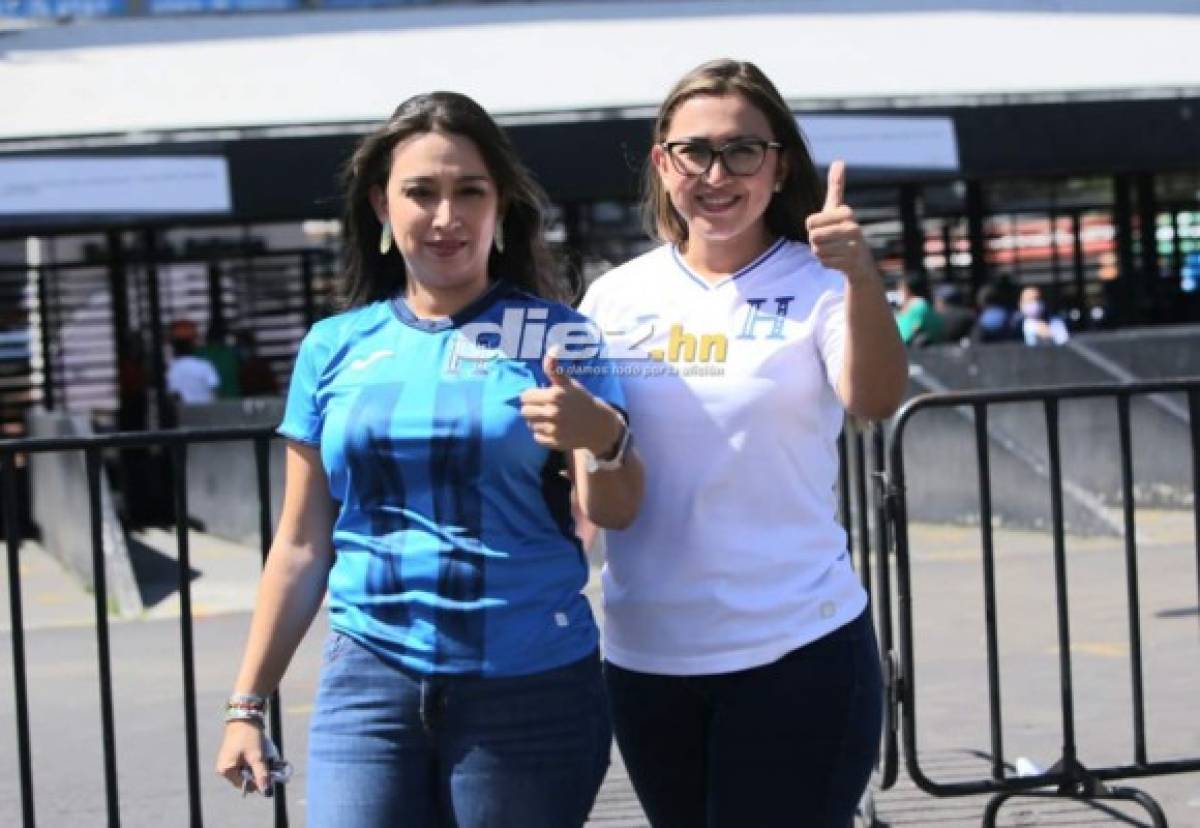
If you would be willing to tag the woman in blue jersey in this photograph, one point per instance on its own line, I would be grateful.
(434, 437)
(741, 664)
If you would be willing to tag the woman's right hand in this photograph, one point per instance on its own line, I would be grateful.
(566, 416)
(244, 746)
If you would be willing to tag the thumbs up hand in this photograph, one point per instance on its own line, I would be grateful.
(565, 416)
(833, 234)
(555, 373)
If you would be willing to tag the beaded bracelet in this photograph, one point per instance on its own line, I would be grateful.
(245, 714)
(247, 700)
(246, 707)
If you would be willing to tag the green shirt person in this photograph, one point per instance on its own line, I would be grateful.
(224, 358)
(917, 320)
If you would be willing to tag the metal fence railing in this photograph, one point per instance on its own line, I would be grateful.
(863, 505)
(1069, 776)
(176, 443)
(873, 509)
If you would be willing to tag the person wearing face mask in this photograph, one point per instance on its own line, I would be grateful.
(430, 463)
(1037, 326)
(742, 667)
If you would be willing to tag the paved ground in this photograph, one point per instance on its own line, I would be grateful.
(951, 681)
(951, 710)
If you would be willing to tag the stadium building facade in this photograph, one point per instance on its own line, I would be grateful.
(162, 159)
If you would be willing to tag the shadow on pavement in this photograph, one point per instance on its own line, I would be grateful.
(157, 574)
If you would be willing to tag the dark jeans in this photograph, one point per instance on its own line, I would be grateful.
(389, 748)
(787, 744)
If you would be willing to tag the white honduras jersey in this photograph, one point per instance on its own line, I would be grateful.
(736, 557)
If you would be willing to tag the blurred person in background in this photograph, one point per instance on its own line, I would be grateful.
(256, 378)
(133, 384)
(996, 321)
(919, 323)
(1038, 325)
(957, 319)
(224, 358)
(191, 379)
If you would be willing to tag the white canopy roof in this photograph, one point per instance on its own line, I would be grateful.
(145, 75)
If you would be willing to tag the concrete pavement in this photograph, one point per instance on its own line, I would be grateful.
(951, 711)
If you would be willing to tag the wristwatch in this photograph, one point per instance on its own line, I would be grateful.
(615, 459)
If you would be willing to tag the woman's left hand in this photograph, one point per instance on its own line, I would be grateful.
(566, 416)
(835, 237)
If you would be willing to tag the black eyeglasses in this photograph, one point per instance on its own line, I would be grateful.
(742, 157)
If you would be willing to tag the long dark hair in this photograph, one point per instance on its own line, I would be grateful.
(802, 192)
(367, 275)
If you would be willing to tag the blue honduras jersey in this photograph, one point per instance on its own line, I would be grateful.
(455, 548)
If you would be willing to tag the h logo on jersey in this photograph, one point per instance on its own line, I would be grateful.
(755, 318)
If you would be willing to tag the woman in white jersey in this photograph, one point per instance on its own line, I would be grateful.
(741, 662)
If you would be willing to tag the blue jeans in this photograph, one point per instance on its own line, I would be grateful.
(392, 748)
(790, 743)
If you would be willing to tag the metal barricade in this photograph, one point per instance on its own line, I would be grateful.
(1069, 776)
(176, 443)
(862, 491)
(873, 510)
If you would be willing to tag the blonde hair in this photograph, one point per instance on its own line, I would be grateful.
(802, 190)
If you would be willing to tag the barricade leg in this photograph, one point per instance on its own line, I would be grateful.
(1083, 788)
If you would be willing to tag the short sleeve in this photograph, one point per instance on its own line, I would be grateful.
(830, 331)
(302, 414)
(596, 371)
(600, 379)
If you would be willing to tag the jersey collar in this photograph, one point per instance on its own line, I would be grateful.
(495, 291)
(778, 245)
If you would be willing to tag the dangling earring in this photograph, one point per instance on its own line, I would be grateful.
(779, 186)
(498, 238)
(385, 238)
